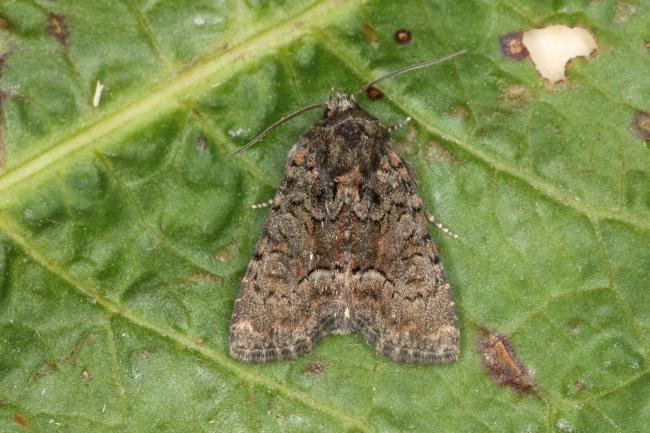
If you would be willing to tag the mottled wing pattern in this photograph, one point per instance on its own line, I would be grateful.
(346, 247)
(401, 301)
(288, 298)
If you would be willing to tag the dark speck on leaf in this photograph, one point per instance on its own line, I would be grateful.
(403, 36)
(200, 144)
(3, 59)
(369, 33)
(44, 370)
(374, 93)
(19, 420)
(501, 363)
(574, 325)
(316, 367)
(513, 46)
(58, 28)
(641, 125)
(580, 385)
(4, 24)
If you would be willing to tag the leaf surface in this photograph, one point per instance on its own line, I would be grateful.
(126, 227)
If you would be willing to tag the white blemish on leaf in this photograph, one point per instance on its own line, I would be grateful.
(201, 20)
(552, 47)
(236, 132)
(623, 12)
(564, 425)
(99, 87)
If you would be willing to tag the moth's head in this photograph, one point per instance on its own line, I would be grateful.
(338, 102)
(348, 139)
(345, 123)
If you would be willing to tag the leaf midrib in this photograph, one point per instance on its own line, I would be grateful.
(166, 97)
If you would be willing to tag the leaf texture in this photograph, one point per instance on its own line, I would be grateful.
(126, 228)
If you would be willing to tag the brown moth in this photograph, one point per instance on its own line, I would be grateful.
(346, 247)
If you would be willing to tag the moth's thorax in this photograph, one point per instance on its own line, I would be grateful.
(348, 139)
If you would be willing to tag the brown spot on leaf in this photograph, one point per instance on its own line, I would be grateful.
(623, 11)
(515, 96)
(200, 278)
(3, 62)
(579, 385)
(44, 370)
(641, 125)
(226, 253)
(316, 367)
(71, 357)
(436, 153)
(370, 34)
(19, 420)
(512, 45)
(374, 93)
(574, 324)
(221, 258)
(85, 375)
(403, 36)
(196, 112)
(200, 144)
(4, 24)
(501, 363)
(143, 354)
(461, 111)
(405, 145)
(58, 28)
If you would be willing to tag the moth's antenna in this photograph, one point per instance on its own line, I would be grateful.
(279, 122)
(408, 69)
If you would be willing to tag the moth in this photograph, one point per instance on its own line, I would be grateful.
(346, 247)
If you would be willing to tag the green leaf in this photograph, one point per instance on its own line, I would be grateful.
(126, 227)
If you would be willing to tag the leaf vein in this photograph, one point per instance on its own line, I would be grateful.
(243, 373)
(162, 99)
(145, 30)
(613, 287)
(130, 197)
